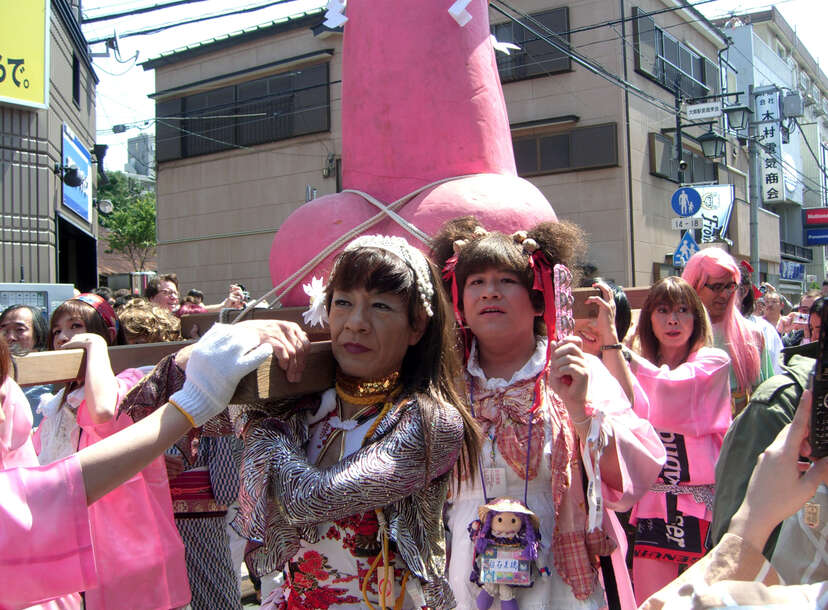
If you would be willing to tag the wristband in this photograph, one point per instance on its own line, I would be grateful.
(612, 346)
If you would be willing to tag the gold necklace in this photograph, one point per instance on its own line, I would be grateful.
(367, 391)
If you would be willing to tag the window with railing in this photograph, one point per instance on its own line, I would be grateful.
(536, 57)
(268, 109)
(661, 57)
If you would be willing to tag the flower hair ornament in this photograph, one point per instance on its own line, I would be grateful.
(317, 313)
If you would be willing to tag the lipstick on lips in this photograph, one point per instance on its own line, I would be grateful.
(355, 348)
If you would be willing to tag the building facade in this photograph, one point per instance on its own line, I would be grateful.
(767, 56)
(594, 129)
(49, 227)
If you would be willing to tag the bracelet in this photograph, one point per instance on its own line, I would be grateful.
(612, 346)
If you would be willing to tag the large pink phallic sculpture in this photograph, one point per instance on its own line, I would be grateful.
(421, 103)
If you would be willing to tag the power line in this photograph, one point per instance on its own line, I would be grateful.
(168, 26)
(138, 11)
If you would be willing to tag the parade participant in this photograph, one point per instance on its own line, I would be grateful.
(537, 409)
(45, 544)
(748, 298)
(145, 322)
(794, 326)
(773, 307)
(26, 330)
(687, 384)
(714, 275)
(734, 574)
(133, 534)
(331, 480)
(603, 335)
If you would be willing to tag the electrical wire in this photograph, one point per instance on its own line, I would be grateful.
(168, 26)
(138, 11)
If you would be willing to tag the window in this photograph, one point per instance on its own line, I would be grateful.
(662, 58)
(664, 165)
(536, 57)
(583, 148)
(268, 109)
(76, 84)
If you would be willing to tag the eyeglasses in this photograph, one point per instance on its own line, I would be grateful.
(717, 288)
(169, 293)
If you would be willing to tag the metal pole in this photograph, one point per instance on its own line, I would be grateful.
(678, 135)
(755, 193)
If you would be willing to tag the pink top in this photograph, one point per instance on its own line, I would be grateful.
(693, 400)
(45, 542)
(16, 447)
(138, 550)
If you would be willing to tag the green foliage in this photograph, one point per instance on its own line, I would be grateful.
(119, 189)
(132, 228)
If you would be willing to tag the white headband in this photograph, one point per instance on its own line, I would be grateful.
(408, 253)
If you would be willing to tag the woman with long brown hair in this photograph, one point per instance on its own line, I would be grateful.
(686, 382)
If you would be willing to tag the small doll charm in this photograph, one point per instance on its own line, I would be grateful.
(506, 544)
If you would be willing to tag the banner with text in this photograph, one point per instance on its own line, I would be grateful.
(24, 53)
(715, 211)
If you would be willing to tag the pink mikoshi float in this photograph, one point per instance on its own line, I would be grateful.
(425, 139)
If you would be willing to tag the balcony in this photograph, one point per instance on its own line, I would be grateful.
(799, 253)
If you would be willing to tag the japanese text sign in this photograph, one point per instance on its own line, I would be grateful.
(24, 53)
(770, 139)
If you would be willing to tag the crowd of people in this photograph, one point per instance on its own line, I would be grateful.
(477, 448)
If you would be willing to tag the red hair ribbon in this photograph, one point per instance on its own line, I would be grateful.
(449, 274)
(545, 284)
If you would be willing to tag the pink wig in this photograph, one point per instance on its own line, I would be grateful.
(744, 353)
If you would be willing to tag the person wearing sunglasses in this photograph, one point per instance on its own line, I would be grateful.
(715, 276)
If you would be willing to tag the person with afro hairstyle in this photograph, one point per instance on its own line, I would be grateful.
(145, 322)
(537, 408)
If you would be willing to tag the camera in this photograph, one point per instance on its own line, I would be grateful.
(819, 414)
(682, 164)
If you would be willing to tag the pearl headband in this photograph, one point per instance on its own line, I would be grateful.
(408, 253)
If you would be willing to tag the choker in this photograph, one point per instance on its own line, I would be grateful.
(367, 391)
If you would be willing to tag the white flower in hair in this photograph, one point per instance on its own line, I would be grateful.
(316, 313)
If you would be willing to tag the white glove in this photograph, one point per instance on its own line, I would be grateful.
(217, 363)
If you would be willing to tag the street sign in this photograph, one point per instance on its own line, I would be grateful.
(686, 201)
(687, 247)
(815, 217)
(705, 110)
(789, 270)
(680, 224)
(816, 237)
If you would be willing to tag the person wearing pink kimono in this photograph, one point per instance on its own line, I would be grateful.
(688, 391)
(543, 405)
(46, 543)
(138, 551)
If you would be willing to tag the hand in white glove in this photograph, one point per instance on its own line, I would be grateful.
(217, 363)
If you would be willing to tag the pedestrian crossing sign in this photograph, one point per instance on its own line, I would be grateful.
(687, 247)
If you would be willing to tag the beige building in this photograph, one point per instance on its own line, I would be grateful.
(48, 230)
(599, 147)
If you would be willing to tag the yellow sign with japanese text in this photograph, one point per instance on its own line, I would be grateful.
(24, 53)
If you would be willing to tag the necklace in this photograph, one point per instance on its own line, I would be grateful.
(366, 391)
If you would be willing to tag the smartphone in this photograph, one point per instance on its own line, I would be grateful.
(819, 413)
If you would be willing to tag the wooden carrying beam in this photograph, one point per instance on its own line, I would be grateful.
(289, 314)
(65, 365)
(268, 382)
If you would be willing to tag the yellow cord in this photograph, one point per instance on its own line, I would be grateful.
(383, 585)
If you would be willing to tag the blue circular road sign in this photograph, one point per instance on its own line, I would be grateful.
(686, 201)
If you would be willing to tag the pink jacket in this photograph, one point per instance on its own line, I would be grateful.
(138, 550)
(45, 542)
(16, 447)
(693, 400)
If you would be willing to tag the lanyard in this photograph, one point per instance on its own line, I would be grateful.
(528, 453)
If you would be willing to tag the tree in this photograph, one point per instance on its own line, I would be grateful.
(120, 189)
(132, 228)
